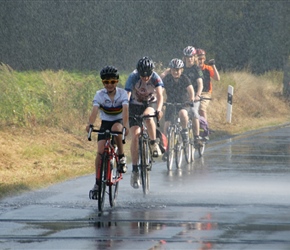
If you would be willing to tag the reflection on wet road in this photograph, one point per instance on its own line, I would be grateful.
(235, 197)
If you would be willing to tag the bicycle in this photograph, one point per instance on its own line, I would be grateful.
(176, 146)
(110, 176)
(145, 157)
(199, 145)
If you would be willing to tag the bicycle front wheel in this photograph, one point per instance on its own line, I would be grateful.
(178, 150)
(170, 146)
(145, 165)
(103, 181)
(114, 186)
(191, 142)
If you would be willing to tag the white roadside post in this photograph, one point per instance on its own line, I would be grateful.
(230, 103)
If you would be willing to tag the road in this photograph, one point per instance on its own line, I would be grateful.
(236, 197)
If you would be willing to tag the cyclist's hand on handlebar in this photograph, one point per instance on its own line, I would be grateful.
(88, 127)
(197, 98)
(159, 114)
(126, 131)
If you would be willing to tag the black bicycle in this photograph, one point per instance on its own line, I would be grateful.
(176, 146)
(145, 157)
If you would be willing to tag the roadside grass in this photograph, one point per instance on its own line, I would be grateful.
(43, 117)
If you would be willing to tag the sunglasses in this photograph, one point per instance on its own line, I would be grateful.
(110, 81)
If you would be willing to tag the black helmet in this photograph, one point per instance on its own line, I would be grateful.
(109, 72)
(176, 64)
(145, 66)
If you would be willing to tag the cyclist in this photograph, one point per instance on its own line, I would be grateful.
(209, 71)
(183, 91)
(145, 92)
(194, 73)
(112, 102)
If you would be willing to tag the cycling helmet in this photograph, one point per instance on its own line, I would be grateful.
(176, 64)
(189, 51)
(200, 52)
(109, 72)
(145, 66)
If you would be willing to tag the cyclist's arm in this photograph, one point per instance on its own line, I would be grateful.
(165, 73)
(125, 116)
(199, 86)
(190, 92)
(159, 96)
(92, 117)
(216, 75)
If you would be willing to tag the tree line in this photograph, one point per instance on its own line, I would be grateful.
(88, 34)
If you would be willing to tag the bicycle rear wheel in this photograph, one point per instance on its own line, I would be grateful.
(114, 187)
(103, 181)
(170, 146)
(145, 165)
(178, 150)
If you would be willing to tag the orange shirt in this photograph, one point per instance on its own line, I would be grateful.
(208, 73)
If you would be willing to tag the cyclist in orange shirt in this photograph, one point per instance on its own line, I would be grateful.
(209, 71)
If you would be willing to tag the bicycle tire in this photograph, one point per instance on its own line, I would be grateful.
(187, 151)
(201, 149)
(144, 155)
(114, 187)
(191, 142)
(178, 150)
(170, 146)
(103, 181)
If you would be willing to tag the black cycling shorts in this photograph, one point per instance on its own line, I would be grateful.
(135, 109)
(107, 125)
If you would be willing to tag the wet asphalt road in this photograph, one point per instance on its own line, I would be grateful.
(236, 197)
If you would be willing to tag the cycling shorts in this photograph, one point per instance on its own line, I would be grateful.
(107, 125)
(135, 109)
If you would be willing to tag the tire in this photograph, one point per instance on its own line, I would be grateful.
(201, 149)
(187, 151)
(114, 187)
(103, 182)
(170, 150)
(178, 150)
(191, 142)
(145, 166)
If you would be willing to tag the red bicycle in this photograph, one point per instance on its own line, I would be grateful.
(110, 176)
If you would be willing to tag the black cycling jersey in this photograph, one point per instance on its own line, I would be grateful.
(176, 91)
(193, 73)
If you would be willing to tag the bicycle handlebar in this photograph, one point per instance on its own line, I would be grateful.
(143, 117)
(102, 132)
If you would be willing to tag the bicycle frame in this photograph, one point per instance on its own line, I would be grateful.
(145, 158)
(108, 158)
(175, 143)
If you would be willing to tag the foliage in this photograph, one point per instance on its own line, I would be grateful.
(86, 35)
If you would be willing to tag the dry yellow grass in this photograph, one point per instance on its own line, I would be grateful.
(37, 157)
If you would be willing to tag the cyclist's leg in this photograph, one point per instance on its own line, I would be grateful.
(204, 104)
(118, 126)
(183, 115)
(151, 128)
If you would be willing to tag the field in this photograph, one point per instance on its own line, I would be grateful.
(43, 118)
